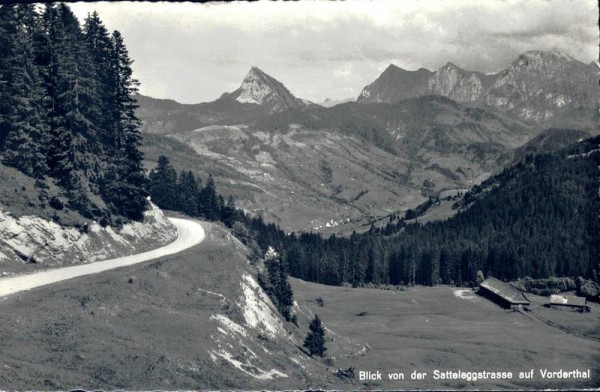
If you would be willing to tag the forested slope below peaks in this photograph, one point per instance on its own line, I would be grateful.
(538, 218)
(550, 140)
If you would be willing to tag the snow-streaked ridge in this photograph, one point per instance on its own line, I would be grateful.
(256, 372)
(261, 89)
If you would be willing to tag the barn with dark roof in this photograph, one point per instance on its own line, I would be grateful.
(502, 293)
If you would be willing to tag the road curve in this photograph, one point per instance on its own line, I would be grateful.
(189, 234)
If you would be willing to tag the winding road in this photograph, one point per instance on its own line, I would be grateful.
(190, 233)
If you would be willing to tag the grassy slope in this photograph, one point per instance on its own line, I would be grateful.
(430, 328)
(22, 195)
(99, 332)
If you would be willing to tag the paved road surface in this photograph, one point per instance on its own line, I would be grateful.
(190, 234)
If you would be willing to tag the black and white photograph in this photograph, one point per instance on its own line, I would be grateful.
(300, 195)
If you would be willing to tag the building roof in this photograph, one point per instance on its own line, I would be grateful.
(504, 290)
(566, 300)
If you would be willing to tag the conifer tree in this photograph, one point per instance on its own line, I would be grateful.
(163, 184)
(208, 201)
(22, 128)
(188, 193)
(315, 340)
(99, 45)
(277, 286)
(125, 181)
(229, 213)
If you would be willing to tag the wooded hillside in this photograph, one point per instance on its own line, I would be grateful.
(67, 112)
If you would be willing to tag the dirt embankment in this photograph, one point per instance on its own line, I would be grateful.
(29, 243)
(190, 233)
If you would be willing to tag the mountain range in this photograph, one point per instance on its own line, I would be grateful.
(542, 89)
(410, 135)
(538, 87)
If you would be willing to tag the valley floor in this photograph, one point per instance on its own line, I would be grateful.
(447, 328)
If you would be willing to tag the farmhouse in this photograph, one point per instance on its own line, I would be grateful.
(559, 301)
(502, 293)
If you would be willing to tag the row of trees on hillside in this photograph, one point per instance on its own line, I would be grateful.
(66, 108)
(185, 193)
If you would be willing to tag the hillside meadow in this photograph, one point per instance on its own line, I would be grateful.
(450, 328)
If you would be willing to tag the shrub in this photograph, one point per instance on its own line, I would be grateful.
(345, 373)
(588, 289)
(56, 203)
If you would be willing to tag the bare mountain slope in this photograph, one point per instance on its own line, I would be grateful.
(395, 84)
(263, 90)
(310, 169)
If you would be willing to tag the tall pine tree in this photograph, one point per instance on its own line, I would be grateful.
(208, 201)
(99, 45)
(163, 184)
(22, 129)
(124, 181)
(188, 193)
(315, 340)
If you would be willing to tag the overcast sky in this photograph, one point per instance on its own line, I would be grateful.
(194, 52)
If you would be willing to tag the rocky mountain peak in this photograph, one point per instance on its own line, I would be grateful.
(456, 83)
(542, 55)
(261, 89)
(392, 69)
(395, 83)
(542, 61)
(450, 66)
(538, 86)
(255, 87)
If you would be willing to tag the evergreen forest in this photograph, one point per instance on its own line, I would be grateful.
(66, 110)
